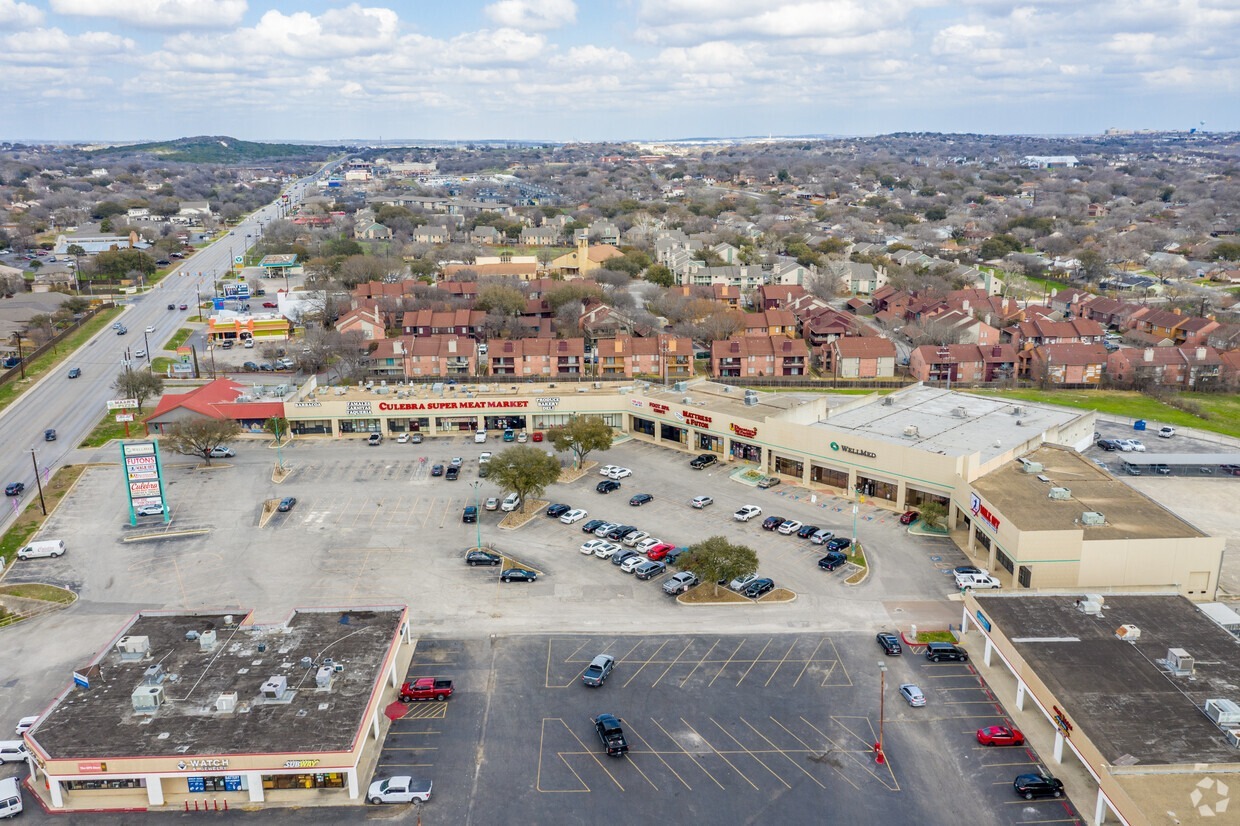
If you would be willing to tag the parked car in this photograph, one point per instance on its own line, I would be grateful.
(269, 305)
(772, 522)
(456, 461)
(821, 537)
(832, 560)
(480, 436)
(640, 499)
(659, 551)
(1000, 736)
(557, 510)
(592, 545)
(575, 515)
(1135, 445)
(612, 734)
(415, 438)
(620, 532)
(607, 550)
(703, 460)
(598, 670)
(1108, 444)
(491, 504)
(790, 527)
(768, 482)
(470, 514)
(436, 470)
(758, 588)
(400, 789)
(806, 531)
(839, 543)
(644, 545)
(222, 452)
(700, 502)
(593, 525)
(619, 473)
(741, 582)
(251, 366)
(890, 643)
(632, 562)
(606, 470)
(149, 510)
(623, 556)
(912, 695)
(605, 528)
(747, 512)
(287, 504)
(938, 651)
(909, 517)
(1030, 786)
(518, 575)
(510, 436)
(679, 583)
(977, 581)
(75, 372)
(521, 437)
(632, 539)
(1166, 432)
(473, 558)
(649, 570)
(511, 502)
(453, 473)
(607, 486)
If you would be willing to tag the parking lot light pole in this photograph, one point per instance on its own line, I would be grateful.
(879, 757)
(477, 486)
(853, 546)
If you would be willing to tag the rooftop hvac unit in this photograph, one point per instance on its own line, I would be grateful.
(226, 702)
(1128, 633)
(1017, 410)
(1032, 467)
(207, 641)
(133, 648)
(1091, 605)
(147, 699)
(275, 688)
(680, 387)
(154, 675)
(911, 432)
(960, 413)
(598, 385)
(1180, 662)
(1223, 712)
(1060, 493)
(1093, 518)
(888, 401)
(750, 401)
(382, 391)
(323, 677)
(1233, 737)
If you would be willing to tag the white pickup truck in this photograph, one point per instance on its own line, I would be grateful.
(403, 789)
(979, 581)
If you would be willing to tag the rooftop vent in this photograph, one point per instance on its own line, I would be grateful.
(226, 702)
(1128, 633)
(960, 413)
(207, 641)
(888, 401)
(275, 689)
(911, 432)
(1061, 494)
(1093, 518)
(1017, 410)
(680, 387)
(1031, 467)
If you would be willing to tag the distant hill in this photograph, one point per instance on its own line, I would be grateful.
(222, 150)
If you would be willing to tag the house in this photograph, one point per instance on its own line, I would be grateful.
(770, 323)
(967, 363)
(366, 320)
(1071, 301)
(787, 272)
(525, 270)
(586, 258)
(727, 295)
(759, 356)
(861, 357)
(1185, 368)
(375, 232)
(1172, 325)
(486, 235)
(598, 320)
(537, 357)
(1035, 332)
(460, 322)
(441, 355)
(856, 277)
(1070, 363)
(194, 209)
(605, 232)
(954, 325)
(826, 325)
(665, 357)
(774, 296)
(462, 289)
(431, 234)
(544, 236)
(374, 290)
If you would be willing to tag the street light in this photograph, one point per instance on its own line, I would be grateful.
(879, 757)
(477, 486)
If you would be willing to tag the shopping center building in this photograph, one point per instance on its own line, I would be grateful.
(213, 709)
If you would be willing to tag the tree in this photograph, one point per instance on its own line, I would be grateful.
(661, 275)
(716, 559)
(507, 300)
(200, 436)
(525, 471)
(277, 426)
(138, 384)
(582, 435)
(1093, 265)
(932, 514)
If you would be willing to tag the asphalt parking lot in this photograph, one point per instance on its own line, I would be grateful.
(721, 729)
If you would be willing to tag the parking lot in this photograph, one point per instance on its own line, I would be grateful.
(722, 728)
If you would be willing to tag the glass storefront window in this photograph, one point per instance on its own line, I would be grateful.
(789, 467)
(326, 780)
(359, 425)
(643, 426)
(671, 433)
(876, 488)
(705, 441)
(311, 427)
(746, 452)
(456, 424)
(829, 476)
(102, 784)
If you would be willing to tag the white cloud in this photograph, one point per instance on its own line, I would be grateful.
(584, 58)
(689, 21)
(708, 57)
(532, 14)
(495, 47)
(336, 33)
(159, 14)
(53, 47)
(19, 15)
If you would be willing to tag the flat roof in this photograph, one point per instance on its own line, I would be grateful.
(100, 722)
(954, 424)
(727, 400)
(1024, 499)
(1116, 693)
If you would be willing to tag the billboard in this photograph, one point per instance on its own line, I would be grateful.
(144, 482)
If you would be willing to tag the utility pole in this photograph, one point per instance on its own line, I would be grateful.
(38, 481)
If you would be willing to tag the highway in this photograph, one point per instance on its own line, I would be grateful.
(74, 406)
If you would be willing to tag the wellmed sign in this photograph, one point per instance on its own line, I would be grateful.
(869, 454)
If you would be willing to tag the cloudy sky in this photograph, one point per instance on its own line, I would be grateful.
(611, 69)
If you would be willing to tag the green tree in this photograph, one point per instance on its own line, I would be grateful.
(716, 559)
(936, 214)
(116, 263)
(998, 246)
(525, 471)
(508, 300)
(932, 514)
(200, 436)
(106, 209)
(1226, 251)
(661, 275)
(582, 435)
(277, 426)
(138, 384)
(342, 246)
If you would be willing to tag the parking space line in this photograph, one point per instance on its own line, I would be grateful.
(816, 755)
(628, 728)
(862, 757)
(542, 750)
(808, 662)
(646, 663)
(839, 663)
(726, 662)
(721, 755)
(688, 754)
(699, 664)
(754, 662)
(672, 664)
(378, 512)
(631, 732)
(784, 752)
(742, 749)
(781, 663)
(395, 511)
(594, 755)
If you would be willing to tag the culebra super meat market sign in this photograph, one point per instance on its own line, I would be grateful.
(386, 406)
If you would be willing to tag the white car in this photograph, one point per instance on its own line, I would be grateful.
(25, 724)
(139, 353)
(575, 515)
(633, 538)
(607, 550)
(747, 512)
(606, 470)
(149, 510)
(593, 545)
(790, 527)
(643, 545)
(484, 457)
(700, 502)
(1124, 445)
(511, 503)
(1166, 432)
(1136, 445)
(632, 562)
(402, 438)
(821, 537)
(978, 581)
(619, 473)
(151, 328)
(480, 437)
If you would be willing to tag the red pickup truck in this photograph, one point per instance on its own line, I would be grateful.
(426, 688)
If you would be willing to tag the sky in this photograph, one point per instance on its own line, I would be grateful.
(611, 70)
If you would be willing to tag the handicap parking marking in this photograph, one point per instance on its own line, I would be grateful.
(426, 711)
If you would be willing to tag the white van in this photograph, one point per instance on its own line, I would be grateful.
(10, 797)
(12, 751)
(25, 724)
(46, 547)
(511, 503)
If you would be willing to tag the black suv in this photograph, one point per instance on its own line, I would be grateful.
(938, 651)
(557, 510)
(890, 644)
(1030, 786)
(607, 486)
(482, 558)
(1108, 444)
(612, 735)
(704, 460)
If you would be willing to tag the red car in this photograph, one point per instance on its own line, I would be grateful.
(184, 306)
(538, 436)
(659, 551)
(1000, 736)
(269, 304)
(909, 517)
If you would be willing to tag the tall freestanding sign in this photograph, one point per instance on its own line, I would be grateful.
(144, 480)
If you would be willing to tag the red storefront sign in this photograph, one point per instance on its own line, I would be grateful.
(385, 406)
(745, 432)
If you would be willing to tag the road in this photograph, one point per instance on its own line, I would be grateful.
(74, 406)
